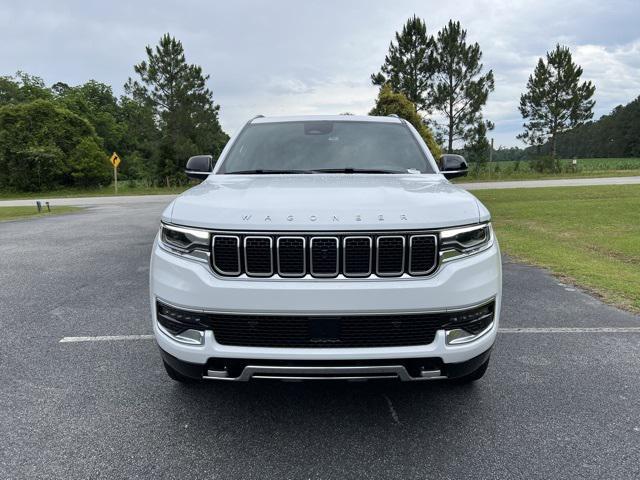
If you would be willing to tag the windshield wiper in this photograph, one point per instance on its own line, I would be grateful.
(261, 171)
(354, 170)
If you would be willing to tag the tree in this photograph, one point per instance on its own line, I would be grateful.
(88, 164)
(390, 102)
(140, 142)
(408, 67)
(95, 102)
(555, 100)
(460, 90)
(477, 146)
(43, 145)
(182, 104)
(21, 88)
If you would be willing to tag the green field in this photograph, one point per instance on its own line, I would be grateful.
(585, 167)
(14, 213)
(588, 235)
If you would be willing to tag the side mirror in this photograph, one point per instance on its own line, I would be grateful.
(199, 167)
(452, 166)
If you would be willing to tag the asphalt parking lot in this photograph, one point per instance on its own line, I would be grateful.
(555, 403)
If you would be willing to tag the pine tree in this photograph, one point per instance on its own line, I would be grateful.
(184, 107)
(555, 100)
(477, 144)
(408, 67)
(459, 91)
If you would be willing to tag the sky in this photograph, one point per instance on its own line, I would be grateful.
(316, 57)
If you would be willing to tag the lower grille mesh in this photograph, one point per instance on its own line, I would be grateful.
(355, 331)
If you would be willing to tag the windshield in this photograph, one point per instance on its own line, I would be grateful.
(334, 146)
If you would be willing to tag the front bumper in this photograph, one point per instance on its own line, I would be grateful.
(411, 370)
(456, 285)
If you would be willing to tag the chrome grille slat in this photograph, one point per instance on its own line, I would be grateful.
(322, 255)
(356, 254)
(258, 256)
(423, 250)
(292, 256)
(325, 258)
(390, 254)
(225, 257)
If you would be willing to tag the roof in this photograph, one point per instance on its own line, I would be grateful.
(333, 118)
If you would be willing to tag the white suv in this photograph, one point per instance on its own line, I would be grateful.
(329, 247)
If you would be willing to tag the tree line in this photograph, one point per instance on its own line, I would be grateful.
(62, 135)
(443, 74)
(614, 135)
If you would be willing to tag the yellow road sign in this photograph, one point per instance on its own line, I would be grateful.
(115, 160)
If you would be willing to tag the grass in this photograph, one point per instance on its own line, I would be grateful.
(588, 235)
(14, 213)
(584, 168)
(123, 189)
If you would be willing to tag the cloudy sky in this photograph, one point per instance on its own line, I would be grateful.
(285, 57)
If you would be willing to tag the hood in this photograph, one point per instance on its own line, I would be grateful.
(324, 202)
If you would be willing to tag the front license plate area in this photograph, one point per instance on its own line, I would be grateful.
(325, 329)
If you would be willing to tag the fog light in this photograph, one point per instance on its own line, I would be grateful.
(182, 325)
(457, 336)
(190, 336)
(193, 337)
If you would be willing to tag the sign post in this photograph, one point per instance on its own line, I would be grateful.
(115, 161)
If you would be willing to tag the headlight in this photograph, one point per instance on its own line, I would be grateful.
(188, 242)
(465, 241)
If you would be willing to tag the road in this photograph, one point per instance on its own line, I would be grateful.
(144, 199)
(555, 403)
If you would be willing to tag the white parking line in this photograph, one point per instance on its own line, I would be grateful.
(115, 338)
(105, 338)
(570, 330)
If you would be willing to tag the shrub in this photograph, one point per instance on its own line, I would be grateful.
(89, 164)
(390, 102)
(544, 164)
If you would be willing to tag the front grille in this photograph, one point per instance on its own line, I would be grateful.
(325, 256)
(341, 331)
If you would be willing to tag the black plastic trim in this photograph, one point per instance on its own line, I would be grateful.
(191, 370)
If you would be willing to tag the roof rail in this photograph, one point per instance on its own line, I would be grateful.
(257, 116)
(393, 115)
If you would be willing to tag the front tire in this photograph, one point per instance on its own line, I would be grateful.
(177, 376)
